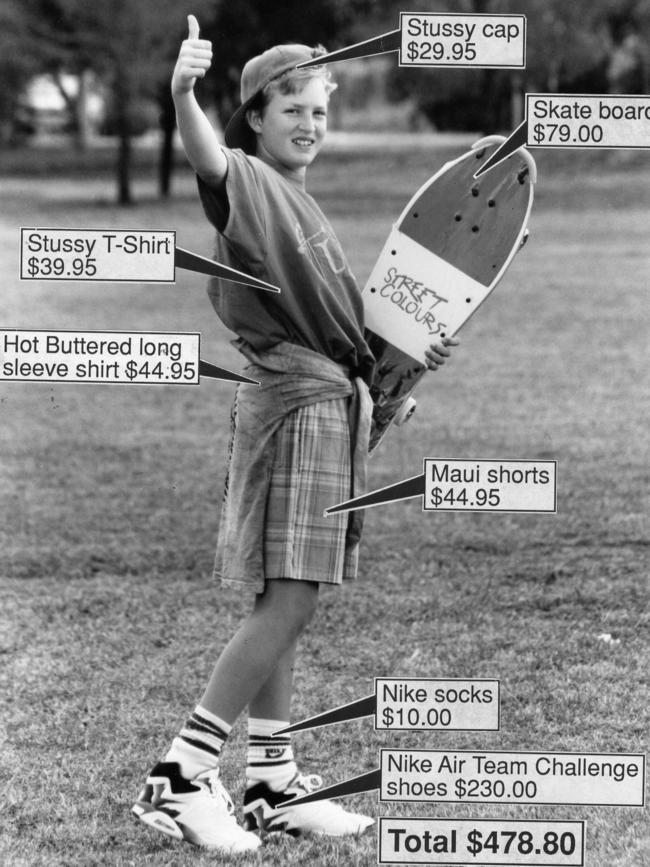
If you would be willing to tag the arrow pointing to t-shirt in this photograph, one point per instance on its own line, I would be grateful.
(192, 262)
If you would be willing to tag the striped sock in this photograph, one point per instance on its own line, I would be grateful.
(270, 759)
(197, 747)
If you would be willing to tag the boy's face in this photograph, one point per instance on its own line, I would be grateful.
(292, 127)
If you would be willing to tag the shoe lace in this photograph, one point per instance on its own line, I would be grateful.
(309, 782)
(218, 791)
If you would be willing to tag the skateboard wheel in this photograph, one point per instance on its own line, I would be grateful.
(406, 411)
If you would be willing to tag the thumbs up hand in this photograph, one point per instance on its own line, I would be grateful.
(194, 59)
(192, 27)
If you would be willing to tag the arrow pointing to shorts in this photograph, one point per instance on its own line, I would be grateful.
(413, 487)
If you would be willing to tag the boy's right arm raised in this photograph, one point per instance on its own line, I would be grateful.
(199, 138)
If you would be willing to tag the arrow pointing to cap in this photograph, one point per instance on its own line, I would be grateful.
(377, 45)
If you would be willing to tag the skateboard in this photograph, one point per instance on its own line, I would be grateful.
(448, 250)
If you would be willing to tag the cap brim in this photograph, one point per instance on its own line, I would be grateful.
(238, 133)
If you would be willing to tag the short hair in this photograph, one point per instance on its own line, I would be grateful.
(291, 81)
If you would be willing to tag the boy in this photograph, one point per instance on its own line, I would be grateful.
(299, 442)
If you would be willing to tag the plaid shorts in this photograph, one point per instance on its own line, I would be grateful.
(298, 445)
(311, 471)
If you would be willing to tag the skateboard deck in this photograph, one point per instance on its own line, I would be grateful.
(448, 250)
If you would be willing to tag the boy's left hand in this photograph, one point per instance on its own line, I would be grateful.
(437, 353)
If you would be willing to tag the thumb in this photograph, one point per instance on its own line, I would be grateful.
(193, 27)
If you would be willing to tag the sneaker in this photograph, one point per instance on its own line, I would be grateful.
(322, 817)
(199, 810)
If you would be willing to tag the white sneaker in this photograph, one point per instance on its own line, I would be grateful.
(321, 817)
(199, 810)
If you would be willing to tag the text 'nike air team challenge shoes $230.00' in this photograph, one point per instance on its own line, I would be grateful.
(200, 811)
(261, 811)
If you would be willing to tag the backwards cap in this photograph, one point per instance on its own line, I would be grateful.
(258, 72)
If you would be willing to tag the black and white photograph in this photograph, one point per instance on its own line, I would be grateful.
(324, 404)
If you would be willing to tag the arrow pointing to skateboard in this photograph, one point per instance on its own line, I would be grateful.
(192, 262)
(609, 110)
(514, 141)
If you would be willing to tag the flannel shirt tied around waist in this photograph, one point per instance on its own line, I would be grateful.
(291, 377)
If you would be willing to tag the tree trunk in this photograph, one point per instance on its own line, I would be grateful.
(124, 168)
(168, 127)
(81, 112)
(123, 123)
(517, 110)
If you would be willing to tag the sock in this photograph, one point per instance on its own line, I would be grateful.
(197, 747)
(270, 759)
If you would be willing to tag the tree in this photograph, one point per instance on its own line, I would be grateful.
(49, 39)
(246, 28)
(569, 47)
(239, 31)
(17, 67)
(129, 45)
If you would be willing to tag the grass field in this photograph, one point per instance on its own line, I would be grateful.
(110, 507)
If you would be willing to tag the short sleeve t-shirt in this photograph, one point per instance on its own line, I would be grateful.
(268, 226)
